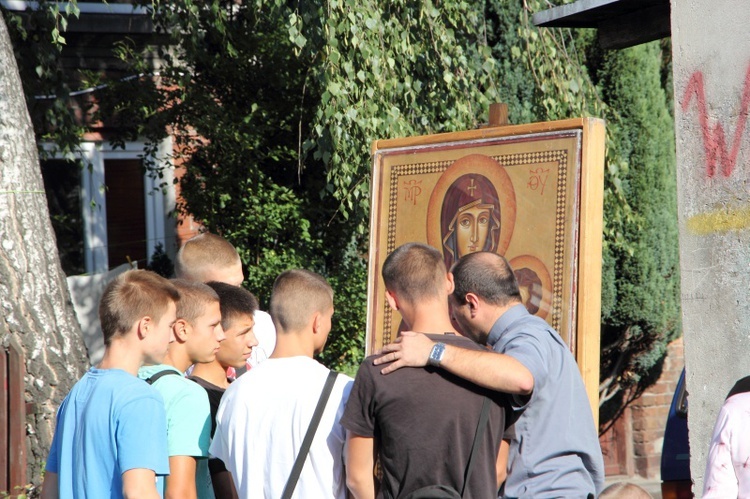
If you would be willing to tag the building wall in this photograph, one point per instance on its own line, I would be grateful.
(711, 74)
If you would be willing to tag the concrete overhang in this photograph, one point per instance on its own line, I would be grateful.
(619, 23)
(97, 17)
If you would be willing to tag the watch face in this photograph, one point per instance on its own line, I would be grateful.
(436, 354)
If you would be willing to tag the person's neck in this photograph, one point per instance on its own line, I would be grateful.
(428, 317)
(498, 311)
(293, 344)
(213, 372)
(120, 355)
(432, 325)
(177, 358)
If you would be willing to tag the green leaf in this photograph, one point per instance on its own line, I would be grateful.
(574, 86)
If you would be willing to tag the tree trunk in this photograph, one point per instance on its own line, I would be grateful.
(35, 304)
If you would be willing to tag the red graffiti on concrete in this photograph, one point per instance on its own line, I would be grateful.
(714, 142)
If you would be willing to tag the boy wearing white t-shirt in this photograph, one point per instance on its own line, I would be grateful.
(274, 402)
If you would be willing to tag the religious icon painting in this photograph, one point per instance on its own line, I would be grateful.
(532, 193)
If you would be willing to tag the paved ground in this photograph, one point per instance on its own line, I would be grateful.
(652, 486)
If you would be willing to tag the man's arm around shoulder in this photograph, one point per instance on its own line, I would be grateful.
(492, 370)
(360, 463)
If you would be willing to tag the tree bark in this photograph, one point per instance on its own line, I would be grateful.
(35, 305)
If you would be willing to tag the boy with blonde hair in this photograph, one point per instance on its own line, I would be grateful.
(208, 257)
(274, 402)
(110, 438)
(237, 308)
(197, 336)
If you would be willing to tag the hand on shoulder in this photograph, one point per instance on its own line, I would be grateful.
(411, 349)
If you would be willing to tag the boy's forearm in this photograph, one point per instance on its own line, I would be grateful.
(360, 479)
(139, 483)
(180, 484)
(361, 486)
(223, 485)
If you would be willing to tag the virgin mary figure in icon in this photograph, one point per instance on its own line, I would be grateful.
(469, 218)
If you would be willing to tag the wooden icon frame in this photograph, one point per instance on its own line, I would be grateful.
(544, 216)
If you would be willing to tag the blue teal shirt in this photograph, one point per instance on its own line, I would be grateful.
(556, 450)
(109, 423)
(188, 418)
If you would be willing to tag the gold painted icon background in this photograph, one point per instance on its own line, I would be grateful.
(536, 179)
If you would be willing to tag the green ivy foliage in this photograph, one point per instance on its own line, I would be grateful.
(388, 69)
(645, 315)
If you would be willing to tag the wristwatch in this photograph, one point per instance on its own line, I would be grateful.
(436, 354)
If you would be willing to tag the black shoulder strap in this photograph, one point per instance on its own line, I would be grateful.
(153, 379)
(477, 439)
(291, 483)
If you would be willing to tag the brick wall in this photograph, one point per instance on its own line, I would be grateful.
(633, 445)
(187, 226)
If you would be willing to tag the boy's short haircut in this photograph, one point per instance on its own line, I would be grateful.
(415, 271)
(131, 296)
(234, 302)
(204, 252)
(296, 296)
(194, 296)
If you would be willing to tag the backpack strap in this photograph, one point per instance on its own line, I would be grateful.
(156, 376)
(291, 483)
(483, 417)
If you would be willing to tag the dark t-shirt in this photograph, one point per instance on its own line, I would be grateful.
(423, 421)
(214, 397)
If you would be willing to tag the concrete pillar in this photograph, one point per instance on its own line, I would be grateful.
(711, 69)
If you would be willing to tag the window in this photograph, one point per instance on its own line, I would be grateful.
(106, 210)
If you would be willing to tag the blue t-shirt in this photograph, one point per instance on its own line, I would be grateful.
(556, 450)
(188, 415)
(109, 423)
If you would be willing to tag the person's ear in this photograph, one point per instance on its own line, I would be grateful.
(145, 325)
(450, 283)
(317, 320)
(472, 301)
(392, 300)
(181, 330)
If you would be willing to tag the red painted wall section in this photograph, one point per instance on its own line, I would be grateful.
(717, 153)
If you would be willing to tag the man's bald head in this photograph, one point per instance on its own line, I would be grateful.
(622, 490)
(487, 275)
